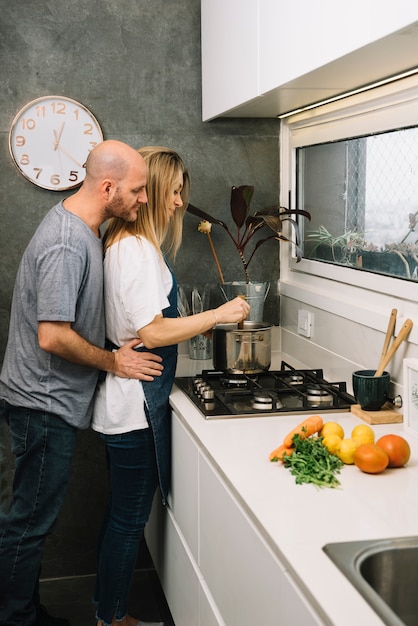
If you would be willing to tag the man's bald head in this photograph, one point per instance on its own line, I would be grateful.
(111, 159)
(114, 186)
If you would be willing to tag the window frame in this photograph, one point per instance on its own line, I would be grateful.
(356, 295)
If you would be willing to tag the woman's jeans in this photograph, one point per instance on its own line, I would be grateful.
(133, 481)
(43, 445)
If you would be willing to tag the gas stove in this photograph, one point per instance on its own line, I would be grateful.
(220, 395)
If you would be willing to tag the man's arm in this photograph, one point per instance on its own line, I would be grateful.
(60, 339)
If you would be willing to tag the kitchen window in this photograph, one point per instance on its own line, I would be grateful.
(362, 194)
(353, 164)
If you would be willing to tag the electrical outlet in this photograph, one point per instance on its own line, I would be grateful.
(304, 323)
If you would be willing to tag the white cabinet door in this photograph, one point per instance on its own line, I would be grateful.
(247, 582)
(172, 531)
(183, 498)
(229, 54)
(176, 570)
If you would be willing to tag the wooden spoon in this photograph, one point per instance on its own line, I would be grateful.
(244, 353)
(406, 328)
(241, 324)
(389, 334)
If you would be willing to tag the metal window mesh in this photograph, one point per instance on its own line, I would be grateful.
(382, 186)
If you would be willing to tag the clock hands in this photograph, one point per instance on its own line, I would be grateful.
(58, 136)
(57, 146)
(70, 156)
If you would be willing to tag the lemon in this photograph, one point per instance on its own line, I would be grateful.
(363, 434)
(347, 450)
(332, 443)
(331, 428)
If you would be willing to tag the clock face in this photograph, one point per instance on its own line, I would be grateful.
(50, 140)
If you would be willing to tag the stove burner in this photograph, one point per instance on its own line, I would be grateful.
(266, 401)
(294, 379)
(317, 396)
(237, 381)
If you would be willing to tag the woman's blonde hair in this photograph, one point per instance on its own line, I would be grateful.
(164, 166)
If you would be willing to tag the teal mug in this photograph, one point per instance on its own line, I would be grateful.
(370, 391)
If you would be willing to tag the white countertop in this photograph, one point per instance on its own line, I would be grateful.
(298, 520)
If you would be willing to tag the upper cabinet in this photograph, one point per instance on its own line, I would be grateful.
(229, 54)
(262, 58)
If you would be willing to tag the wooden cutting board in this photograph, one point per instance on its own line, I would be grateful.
(386, 415)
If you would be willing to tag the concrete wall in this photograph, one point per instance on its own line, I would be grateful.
(136, 65)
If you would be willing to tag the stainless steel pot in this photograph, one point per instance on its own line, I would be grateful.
(242, 351)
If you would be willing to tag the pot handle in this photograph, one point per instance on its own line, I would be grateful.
(248, 337)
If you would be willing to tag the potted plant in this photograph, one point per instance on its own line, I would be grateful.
(345, 249)
(399, 259)
(247, 226)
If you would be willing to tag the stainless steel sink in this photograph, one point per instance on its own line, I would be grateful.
(385, 572)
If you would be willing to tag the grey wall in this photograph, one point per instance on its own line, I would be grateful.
(136, 65)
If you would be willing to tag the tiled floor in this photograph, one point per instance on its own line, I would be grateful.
(71, 598)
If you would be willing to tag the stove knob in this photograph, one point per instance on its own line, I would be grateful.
(207, 393)
(279, 404)
(202, 388)
(200, 384)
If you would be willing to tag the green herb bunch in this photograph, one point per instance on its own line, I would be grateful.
(311, 462)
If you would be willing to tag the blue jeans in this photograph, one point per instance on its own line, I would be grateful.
(133, 481)
(43, 445)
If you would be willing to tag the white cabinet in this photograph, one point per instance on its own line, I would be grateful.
(229, 54)
(214, 565)
(263, 57)
(172, 538)
(183, 497)
(175, 566)
(247, 581)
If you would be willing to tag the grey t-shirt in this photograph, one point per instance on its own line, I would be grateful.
(60, 278)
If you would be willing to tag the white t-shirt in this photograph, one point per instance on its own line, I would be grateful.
(137, 283)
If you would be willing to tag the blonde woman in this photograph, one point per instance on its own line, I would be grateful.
(133, 417)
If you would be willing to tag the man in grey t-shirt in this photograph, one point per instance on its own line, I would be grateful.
(54, 352)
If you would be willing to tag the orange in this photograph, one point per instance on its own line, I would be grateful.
(397, 449)
(371, 459)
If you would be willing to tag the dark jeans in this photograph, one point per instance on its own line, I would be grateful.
(43, 445)
(133, 481)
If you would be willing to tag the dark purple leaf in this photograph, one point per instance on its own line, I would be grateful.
(205, 216)
(240, 203)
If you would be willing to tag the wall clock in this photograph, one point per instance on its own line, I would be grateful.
(50, 139)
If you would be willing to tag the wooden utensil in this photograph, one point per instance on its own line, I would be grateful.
(244, 353)
(403, 333)
(241, 324)
(389, 334)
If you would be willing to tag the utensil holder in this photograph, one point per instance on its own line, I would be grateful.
(200, 348)
(371, 391)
